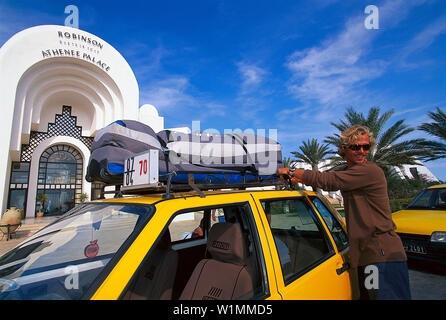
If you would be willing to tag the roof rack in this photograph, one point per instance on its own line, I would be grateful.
(148, 179)
(167, 187)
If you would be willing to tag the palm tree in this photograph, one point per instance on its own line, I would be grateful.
(83, 197)
(313, 153)
(391, 150)
(287, 162)
(436, 129)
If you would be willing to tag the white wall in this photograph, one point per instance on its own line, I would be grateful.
(81, 107)
(423, 172)
(148, 114)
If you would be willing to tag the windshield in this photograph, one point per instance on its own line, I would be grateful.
(432, 199)
(63, 260)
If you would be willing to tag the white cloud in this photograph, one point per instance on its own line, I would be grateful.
(169, 93)
(172, 97)
(252, 76)
(423, 39)
(145, 60)
(332, 72)
(417, 109)
(329, 72)
(214, 109)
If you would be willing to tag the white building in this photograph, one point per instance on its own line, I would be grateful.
(416, 172)
(58, 87)
(333, 196)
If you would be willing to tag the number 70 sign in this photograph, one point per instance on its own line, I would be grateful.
(141, 169)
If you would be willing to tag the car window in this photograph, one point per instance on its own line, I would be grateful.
(335, 228)
(191, 226)
(63, 260)
(187, 226)
(300, 241)
(423, 200)
(441, 199)
(183, 246)
(431, 199)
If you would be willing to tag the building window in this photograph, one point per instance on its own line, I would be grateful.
(97, 190)
(60, 179)
(17, 198)
(20, 172)
(414, 173)
(18, 185)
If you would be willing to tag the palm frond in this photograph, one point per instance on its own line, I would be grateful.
(391, 148)
(438, 127)
(312, 152)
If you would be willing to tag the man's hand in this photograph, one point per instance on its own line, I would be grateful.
(285, 171)
(297, 174)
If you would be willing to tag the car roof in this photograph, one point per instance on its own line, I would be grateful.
(157, 197)
(438, 186)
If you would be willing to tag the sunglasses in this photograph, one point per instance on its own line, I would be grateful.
(357, 147)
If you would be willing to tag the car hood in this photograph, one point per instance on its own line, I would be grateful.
(420, 221)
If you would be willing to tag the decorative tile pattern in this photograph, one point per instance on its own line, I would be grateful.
(64, 125)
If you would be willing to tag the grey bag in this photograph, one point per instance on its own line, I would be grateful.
(228, 158)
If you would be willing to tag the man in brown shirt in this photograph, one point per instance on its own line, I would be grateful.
(370, 228)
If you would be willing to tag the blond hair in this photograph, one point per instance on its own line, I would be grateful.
(351, 134)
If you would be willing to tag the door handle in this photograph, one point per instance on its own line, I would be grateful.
(341, 270)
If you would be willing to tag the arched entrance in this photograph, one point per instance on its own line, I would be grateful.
(59, 178)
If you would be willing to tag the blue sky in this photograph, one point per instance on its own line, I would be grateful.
(294, 66)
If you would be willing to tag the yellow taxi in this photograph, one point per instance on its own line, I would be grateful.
(422, 225)
(211, 245)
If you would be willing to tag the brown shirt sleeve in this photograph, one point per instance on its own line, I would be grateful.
(356, 177)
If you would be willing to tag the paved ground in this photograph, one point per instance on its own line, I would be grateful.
(28, 228)
(427, 281)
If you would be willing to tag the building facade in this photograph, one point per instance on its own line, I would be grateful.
(58, 87)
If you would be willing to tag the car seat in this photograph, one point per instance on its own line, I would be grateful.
(155, 279)
(225, 275)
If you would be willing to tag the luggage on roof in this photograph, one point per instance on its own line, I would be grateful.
(219, 158)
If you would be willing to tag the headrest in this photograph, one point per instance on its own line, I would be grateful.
(226, 243)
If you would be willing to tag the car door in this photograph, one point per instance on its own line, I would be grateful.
(178, 216)
(336, 229)
(306, 260)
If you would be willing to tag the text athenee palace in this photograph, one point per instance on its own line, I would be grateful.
(79, 46)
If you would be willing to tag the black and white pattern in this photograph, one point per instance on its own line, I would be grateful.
(64, 125)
